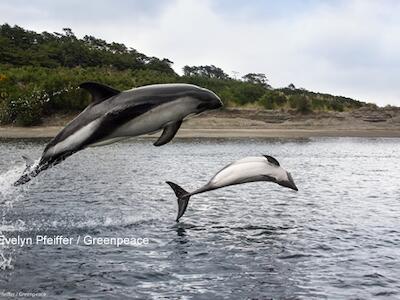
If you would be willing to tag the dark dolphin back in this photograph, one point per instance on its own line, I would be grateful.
(159, 93)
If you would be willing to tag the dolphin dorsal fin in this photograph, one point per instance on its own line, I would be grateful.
(272, 160)
(99, 92)
(168, 133)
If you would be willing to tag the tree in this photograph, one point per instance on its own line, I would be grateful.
(22, 47)
(246, 92)
(68, 33)
(163, 65)
(257, 78)
(210, 71)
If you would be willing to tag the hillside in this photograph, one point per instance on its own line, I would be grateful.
(40, 73)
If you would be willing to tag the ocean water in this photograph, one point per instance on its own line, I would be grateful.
(338, 237)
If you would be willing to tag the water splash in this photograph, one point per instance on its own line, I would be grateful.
(46, 97)
(17, 226)
(41, 96)
(5, 262)
(8, 193)
(72, 224)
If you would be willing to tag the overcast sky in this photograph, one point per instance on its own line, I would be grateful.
(349, 48)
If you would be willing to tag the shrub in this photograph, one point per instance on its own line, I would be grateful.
(27, 93)
(272, 100)
(245, 92)
(301, 103)
(24, 107)
(337, 106)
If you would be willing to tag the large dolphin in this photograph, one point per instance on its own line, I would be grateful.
(248, 169)
(114, 115)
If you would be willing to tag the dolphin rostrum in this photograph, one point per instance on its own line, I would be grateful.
(113, 116)
(248, 169)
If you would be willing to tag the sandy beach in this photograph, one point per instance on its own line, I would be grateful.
(51, 131)
(240, 123)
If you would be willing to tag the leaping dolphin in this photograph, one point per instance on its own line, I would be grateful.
(248, 169)
(114, 115)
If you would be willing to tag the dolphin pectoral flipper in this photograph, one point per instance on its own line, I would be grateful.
(168, 133)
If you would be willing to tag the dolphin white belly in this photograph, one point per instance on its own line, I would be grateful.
(237, 173)
(75, 139)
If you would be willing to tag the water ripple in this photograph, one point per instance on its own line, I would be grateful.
(337, 238)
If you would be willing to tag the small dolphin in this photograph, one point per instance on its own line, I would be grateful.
(248, 169)
(115, 115)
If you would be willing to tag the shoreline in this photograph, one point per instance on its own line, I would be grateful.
(253, 123)
(51, 131)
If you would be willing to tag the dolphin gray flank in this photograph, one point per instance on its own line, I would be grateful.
(248, 169)
(114, 115)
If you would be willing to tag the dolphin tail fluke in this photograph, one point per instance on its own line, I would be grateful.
(28, 175)
(43, 164)
(183, 198)
(23, 179)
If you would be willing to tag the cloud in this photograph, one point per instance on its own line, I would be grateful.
(350, 48)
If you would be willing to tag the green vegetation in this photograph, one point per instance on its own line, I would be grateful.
(40, 74)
